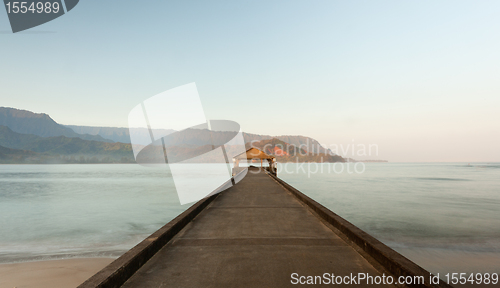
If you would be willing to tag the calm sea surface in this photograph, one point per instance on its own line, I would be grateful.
(444, 217)
(60, 211)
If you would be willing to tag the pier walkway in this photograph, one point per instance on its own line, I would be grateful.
(255, 234)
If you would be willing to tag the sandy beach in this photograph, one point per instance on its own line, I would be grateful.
(50, 274)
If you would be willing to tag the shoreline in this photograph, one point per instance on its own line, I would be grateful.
(61, 273)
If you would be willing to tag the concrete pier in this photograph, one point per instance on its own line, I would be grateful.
(255, 234)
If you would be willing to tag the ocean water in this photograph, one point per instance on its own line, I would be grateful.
(444, 217)
(64, 211)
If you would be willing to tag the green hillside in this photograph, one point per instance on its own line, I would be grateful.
(74, 148)
(13, 156)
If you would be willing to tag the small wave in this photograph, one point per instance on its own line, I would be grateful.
(489, 166)
(443, 179)
(26, 257)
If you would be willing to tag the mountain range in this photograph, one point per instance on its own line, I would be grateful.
(122, 135)
(118, 134)
(26, 122)
(27, 137)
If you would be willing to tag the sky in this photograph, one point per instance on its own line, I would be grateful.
(418, 79)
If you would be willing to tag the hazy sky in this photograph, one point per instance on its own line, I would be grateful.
(421, 79)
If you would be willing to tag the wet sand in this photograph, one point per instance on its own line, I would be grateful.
(66, 273)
